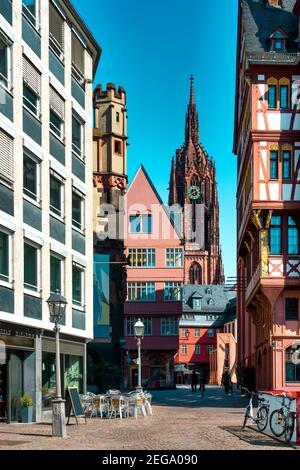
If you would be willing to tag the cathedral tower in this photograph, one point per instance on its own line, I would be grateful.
(193, 187)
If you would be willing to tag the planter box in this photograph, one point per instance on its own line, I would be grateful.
(26, 414)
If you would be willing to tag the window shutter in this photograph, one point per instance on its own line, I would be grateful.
(56, 26)
(31, 77)
(57, 103)
(6, 156)
(77, 53)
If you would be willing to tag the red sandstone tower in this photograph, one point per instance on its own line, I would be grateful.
(193, 187)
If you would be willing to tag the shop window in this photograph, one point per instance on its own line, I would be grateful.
(292, 364)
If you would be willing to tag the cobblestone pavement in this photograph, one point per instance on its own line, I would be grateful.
(182, 420)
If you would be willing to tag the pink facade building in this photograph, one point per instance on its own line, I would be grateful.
(154, 281)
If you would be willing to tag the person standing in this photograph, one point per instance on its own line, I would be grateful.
(202, 382)
(226, 381)
(194, 381)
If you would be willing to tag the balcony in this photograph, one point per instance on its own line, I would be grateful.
(57, 67)
(7, 299)
(32, 215)
(57, 148)
(78, 319)
(78, 242)
(6, 199)
(57, 230)
(6, 10)
(31, 36)
(32, 126)
(78, 167)
(6, 98)
(32, 307)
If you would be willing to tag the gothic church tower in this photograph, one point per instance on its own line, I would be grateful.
(193, 187)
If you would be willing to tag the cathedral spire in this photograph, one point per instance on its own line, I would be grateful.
(192, 126)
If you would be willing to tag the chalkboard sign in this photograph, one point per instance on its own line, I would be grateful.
(73, 404)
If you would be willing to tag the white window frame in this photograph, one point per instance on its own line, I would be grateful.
(82, 211)
(198, 348)
(173, 285)
(173, 255)
(135, 286)
(37, 115)
(54, 46)
(60, 134)
(36, 202)
(62, 271)
(148, 252)
(79, 152)
(210, 333)
(168, 323)
(184, 350)
(36, 17)
(38, 291)
(209, 348)
(62, 197)
(76, 306)
(8, 85)
(10, 279)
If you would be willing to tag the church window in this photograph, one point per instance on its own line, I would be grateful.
(118, 147)
(195, 274)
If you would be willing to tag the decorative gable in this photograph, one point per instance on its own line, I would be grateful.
(278, 41)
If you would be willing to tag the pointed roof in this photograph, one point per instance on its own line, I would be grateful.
(192, 123)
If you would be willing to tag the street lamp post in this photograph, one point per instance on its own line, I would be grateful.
(139, 329)
(57, 307)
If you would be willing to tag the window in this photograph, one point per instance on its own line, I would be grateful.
(5, 257)
(274, 165)
(292, 365)
(56, 196)
(56, 274)
(210, 348)
(184, 349)
(142, 257)
(31, 88)
(56, 31)
(168, 326)
(57, 114)
(118, 147)
(77, 137)
(6, 156)
(291, 309)
(210, 333)
(141, 291)
(279, 45)
(140, 223)
(118, 117)
(275, 235)
(284, 96)
(30, 11)
(31, 267)
(198, 350)
(77, 210)
(185, 333)
(77, 286)
(174, 257)
(5, 64)
(173, 291)
(31, 177)
(197, 304)
(78, 50)
(293, 236)
(272, 97)
(197, 332)
(195, 274)
(287, 165)
(130, 322)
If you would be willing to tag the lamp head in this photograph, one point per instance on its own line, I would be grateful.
(139, 329)
(57, 307)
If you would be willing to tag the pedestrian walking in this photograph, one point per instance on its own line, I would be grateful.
(202, 382)
(194, 381)
(226, 381)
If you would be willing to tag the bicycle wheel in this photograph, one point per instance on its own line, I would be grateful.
(262, 418)
(277, 423)
(246, 417)
(289, 427)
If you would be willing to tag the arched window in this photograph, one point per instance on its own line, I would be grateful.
(292, 363)
(195, 274)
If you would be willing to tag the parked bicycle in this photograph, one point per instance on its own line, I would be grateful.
(282, 421)
(262, 415)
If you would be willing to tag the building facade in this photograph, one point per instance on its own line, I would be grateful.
(105, 353)
(154, 281)
(193, 188)
(48, 61)
(206, 310)
(267, 144)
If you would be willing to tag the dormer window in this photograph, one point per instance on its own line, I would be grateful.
(278, 41)
(197, 303)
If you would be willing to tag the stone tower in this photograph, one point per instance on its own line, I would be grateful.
(110, 181)
(193, 187)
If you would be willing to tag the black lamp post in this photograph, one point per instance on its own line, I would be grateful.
(57, 308)
(139, 329)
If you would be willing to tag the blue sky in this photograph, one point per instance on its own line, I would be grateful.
(151, 47)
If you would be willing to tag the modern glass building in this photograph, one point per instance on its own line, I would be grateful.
(48, 59)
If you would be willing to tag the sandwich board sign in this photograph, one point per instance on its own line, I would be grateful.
(73, 405)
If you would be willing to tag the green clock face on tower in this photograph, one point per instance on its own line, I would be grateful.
(194, 193)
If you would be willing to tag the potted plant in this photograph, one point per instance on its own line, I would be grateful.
(27, 409)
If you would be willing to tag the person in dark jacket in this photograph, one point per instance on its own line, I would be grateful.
(194, 381)
(202, 382)
(226, 381)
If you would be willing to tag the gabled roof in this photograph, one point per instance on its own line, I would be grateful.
(279, 34)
